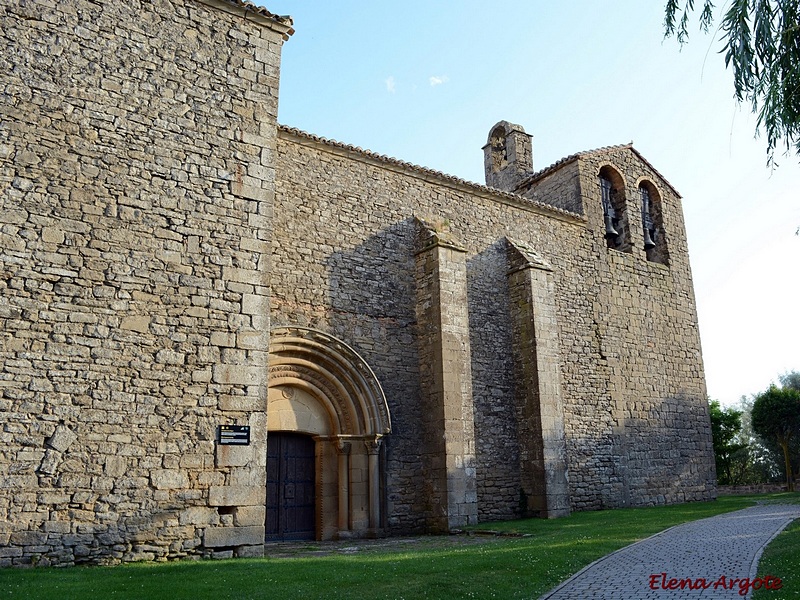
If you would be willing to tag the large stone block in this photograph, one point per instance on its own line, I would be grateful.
(245, 516)
(223, 338)
(200, 515)
(252, 340)
(242, 275)
(140, 323)
(242, 403)
(216, 537)
(249, 551)
(170, 357)
(237, 495)
(169, 479)
(239, 374)
(255, 305)
(233, 456)
(29, 538)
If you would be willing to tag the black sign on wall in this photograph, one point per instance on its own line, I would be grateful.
(234, 435)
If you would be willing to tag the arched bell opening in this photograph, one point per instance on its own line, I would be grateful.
(320, 387)
(653, 223)
(615, 209)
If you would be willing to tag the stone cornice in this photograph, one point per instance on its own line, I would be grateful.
(432, 236)
(522, 256)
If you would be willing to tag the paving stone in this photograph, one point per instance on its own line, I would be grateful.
(706, 551)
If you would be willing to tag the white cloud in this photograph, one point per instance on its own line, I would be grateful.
(390, 85)
(438, 80)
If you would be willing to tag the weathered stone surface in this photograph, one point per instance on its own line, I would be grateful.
(236, 495)
(249, 515)
(216, 537)
(156, 222)
(234, 456)
(50, 462)
(200, 515)
(127, 251)
(169, 479)
(62, 439)
(238, 374)
(249, 551)
(139, 323)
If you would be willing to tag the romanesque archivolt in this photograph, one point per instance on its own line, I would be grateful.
(323, 390)
(338, 376)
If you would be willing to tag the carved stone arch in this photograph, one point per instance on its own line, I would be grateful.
(320, 386)
(609, 170)
(298, 387)
(326, 362)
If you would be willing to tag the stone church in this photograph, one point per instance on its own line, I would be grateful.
(217, 331)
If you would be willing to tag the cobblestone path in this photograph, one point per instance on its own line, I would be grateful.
(711, 553)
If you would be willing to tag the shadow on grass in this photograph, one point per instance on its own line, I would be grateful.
(497, 567)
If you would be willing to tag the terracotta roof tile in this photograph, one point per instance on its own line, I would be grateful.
(263, 12)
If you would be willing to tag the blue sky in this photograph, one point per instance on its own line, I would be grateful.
(425, 81)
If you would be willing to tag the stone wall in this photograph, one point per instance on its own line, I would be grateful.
(483, 353)
(344, 264)
(744, 490)
(648, 350)
(136, 184)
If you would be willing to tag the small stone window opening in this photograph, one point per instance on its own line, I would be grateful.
(614, 210)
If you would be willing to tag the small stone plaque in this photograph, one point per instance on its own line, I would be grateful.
(234, 435)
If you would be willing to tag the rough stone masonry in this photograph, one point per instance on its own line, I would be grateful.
(404, 350)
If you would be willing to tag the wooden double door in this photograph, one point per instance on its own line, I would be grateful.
(291, 473)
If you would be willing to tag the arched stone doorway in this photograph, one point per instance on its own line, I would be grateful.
(320, 387)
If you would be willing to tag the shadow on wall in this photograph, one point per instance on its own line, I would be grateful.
(664, 453)
(661, 453)
(372, 300)
(497, 451)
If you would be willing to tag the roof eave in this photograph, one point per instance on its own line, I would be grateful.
(431, 175)
(258, 14)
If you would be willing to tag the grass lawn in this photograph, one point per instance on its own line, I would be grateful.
(782, 559)
(499, 567)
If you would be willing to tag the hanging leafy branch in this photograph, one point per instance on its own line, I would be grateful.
(762, 48)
